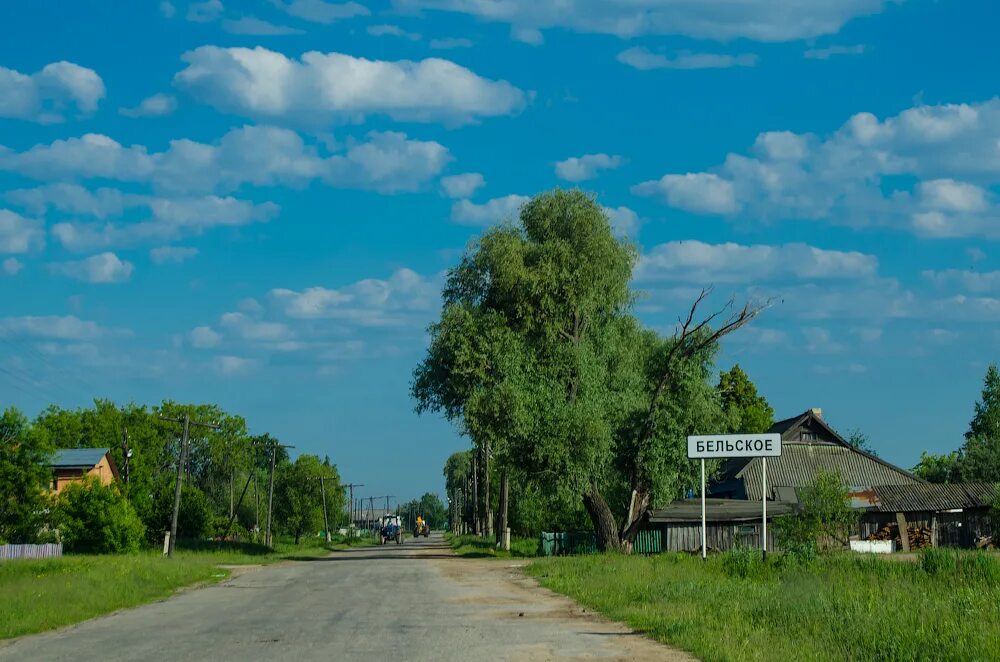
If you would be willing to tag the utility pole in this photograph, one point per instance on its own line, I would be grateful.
(326, 521)
(270, 491)
(351, 487)
(181, 459)
(126, 453)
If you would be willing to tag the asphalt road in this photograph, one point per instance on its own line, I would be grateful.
(405, 602)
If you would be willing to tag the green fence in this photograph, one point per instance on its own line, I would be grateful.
(648, 542)
(559, 544)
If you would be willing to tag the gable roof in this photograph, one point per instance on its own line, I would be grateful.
(933, 497)
(78, 458)
(717, 510)
(801, 460)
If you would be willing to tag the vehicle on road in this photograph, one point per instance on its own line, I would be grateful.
(390, 529)
(421, 528)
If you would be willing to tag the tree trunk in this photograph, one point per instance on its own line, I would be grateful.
(487, 500)
(605, 527)
(503, 506)
(475, 494)
(630, 527)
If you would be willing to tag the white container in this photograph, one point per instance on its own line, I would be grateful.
(873, 546)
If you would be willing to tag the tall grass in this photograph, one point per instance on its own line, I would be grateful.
(471, 546)
(736, 607)
(38, 595)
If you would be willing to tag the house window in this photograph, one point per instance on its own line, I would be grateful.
(807, 436)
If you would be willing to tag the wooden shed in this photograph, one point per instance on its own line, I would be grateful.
(72, 464)
(730, 523)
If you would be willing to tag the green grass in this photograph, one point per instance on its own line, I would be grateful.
(735, 607)
(471, 546)
(38, 595)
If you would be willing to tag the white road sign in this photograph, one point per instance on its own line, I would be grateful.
(716, 446)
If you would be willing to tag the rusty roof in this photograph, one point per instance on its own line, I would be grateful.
(933, 497)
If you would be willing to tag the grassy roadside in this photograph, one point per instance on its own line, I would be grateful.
(843, 607)
(38, 595)
(470, 546)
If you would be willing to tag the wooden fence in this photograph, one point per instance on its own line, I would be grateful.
(11, 552)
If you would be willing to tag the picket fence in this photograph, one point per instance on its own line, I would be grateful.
(11, 552)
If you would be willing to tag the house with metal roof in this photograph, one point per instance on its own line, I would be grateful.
(72, 464)
(808, 445)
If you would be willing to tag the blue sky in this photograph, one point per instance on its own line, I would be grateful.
(253, 203)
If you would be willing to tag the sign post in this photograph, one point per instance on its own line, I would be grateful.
(722, 446)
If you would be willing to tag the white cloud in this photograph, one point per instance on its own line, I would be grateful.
(467, 212)
(157, 105)
(321, 87)
(820, 341)
(697, 192)
(258, 155)
(581, 168)
(760, 20)
(644, 59)
(205, 12)
(204, 337)
(70, 199)
(832, 51)
(624, 221)
(167, 9)
(227, 365)
(447, 43)
(251, 25)
(702, 263)
(966, 281)
(11, 266)
(46, 95)
(320, 11)
(19, 234)
(53, 327)
(928, 170)
(384, 30)
(171, 254)
(462, 186)
(254, 330)
(101, 268)
(370, 302)
(532, 36)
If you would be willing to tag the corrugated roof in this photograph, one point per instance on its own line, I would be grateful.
(718, 510)
(798, 464)
(72, 458)
(932, 496)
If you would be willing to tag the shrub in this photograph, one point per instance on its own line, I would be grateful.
(194, 518)
(936, 561)
(746, 563)
(825, 517)
(97, 518)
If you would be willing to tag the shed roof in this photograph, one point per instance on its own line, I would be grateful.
(932, 497)
(717, 510)
(77, 458)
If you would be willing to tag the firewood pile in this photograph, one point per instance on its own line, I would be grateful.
(986, 542)
(918, 537)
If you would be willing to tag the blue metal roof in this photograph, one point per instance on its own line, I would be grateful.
(77, 457)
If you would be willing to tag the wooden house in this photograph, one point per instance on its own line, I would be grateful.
(72, 464)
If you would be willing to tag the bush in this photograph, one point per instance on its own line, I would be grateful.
(194, 517)
(96, 518)
(746, 563)
(825, 517)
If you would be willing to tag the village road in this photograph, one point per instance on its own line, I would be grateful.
(410, 602)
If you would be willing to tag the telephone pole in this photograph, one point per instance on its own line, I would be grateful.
(270, 490)
(326, 521)
(351, 487)
(181, 459)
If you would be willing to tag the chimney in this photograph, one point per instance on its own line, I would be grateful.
(817, 412)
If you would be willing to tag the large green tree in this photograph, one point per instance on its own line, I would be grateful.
(981, 451)
(25, 476)
(944, 468)
(748, 410)
(298, 504)
(538, 358)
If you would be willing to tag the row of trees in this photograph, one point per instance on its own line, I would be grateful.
(222, 465)
(978, 458)
(571, 404)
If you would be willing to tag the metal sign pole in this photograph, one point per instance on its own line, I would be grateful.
(763, 506)
(704, 534)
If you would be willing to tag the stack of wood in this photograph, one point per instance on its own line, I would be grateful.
(918, 537)
(986, 542)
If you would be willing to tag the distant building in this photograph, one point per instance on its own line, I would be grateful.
(72, 464)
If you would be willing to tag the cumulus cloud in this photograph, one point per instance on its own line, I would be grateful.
(54, 327)
(703, 263)
(624, 221)
(320, 11)
(927, 170)
(447, 43)
(467, 212)
(171, 254)
(11, 266)
(101, 268)
(45, 96)
(204, 12)
(19, 234)
(323, 87)
(581, 168)
(724, 20)
(964, 280)
(228, 365)
(369, 303)
(462, 186)
(251, 25)
(157, 105)
(644, 59)
(833, 51)
(259, 155)
(204, 337)
(70, 199)
(384, 30)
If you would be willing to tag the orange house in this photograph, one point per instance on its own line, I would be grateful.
(72, 464)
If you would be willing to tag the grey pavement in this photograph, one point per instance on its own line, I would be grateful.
(406, 602)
